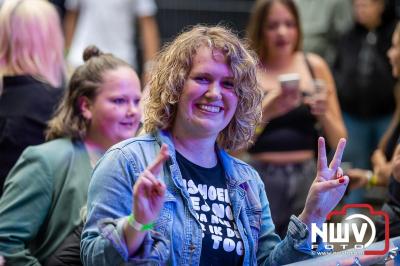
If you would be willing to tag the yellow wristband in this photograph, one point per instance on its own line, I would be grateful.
(372, 179)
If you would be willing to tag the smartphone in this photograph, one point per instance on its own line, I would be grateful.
(289, 82)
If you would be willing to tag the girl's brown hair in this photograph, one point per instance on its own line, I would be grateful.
(255, 28)
(85, 81)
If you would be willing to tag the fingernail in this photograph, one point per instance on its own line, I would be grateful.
(341, 180)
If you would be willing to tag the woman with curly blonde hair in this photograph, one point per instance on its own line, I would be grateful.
(161, 106)
(174, 196)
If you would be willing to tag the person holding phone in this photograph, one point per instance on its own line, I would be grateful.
(284, 148)
(174, 196)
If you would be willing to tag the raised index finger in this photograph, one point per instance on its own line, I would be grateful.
(321, 163)
(162, 157)
(337, 158)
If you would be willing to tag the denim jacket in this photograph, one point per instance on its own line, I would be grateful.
(177, 235)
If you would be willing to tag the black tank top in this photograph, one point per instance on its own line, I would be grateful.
(293, 131)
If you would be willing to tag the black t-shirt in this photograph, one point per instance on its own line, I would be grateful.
(222, 244)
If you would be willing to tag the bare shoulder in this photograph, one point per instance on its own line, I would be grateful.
(317, 61)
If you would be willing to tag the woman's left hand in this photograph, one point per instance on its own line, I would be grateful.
(378, 158)
(328, 187)
(318, 103)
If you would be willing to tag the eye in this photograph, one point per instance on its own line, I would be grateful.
(136, 101)
(228, 84)
(290, 24)
(272, 26)
(118, 100)
(202, 79)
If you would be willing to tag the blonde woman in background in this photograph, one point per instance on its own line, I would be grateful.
(32, 72)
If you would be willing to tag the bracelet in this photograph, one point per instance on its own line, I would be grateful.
(138, 226)
(372, 179)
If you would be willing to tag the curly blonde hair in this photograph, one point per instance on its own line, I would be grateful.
(173, 66)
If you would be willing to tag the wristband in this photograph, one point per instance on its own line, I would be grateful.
(138, 226)
(372, 179)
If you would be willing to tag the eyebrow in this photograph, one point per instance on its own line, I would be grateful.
(209, 74)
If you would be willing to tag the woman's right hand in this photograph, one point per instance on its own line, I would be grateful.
(148, 199)
(148, 191)
(2, 261)
(278, 102)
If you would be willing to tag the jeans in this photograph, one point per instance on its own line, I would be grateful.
(363, 138)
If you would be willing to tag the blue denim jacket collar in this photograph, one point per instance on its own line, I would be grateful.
(234, 179)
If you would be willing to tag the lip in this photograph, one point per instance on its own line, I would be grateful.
(210, 108)
(281, 43)
(282, 39)
(128, 123)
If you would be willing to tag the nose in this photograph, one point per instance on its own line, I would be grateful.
(133, 109)
(282, 29)
(214, 92)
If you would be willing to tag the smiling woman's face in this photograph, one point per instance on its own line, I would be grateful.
(114, 114)
(208, 100)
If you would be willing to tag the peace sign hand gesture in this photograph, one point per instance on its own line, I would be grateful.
(148, 191)
(328, 187)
